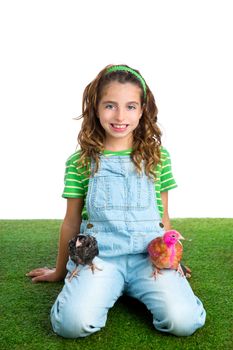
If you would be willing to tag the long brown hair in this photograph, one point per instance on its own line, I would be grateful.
(146, 137)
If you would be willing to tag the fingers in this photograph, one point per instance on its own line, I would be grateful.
(42, 274)
(37, 272)
(39, 278)
(188, 269)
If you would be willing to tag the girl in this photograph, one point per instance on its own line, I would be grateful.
(117, 190)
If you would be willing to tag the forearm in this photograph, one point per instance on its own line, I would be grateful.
(69, 228)
(166, 222)
(165, 219)
(67, 232)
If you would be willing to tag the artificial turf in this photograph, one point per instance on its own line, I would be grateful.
(25, 307)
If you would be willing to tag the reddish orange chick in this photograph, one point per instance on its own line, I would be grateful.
(166, 252)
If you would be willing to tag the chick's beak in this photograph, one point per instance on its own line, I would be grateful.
(78, 243)
(181, 237)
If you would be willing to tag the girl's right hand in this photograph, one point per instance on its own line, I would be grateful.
(44, 274)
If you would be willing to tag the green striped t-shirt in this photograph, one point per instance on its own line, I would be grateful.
(77, 177)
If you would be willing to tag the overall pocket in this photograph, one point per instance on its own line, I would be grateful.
(120, 192)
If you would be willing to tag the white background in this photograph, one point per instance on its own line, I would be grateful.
(50, 50)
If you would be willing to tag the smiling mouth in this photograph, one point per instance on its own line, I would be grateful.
(119, 127)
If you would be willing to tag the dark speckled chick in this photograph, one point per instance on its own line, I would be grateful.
(82, 250)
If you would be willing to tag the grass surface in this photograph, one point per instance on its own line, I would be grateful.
(25, 307)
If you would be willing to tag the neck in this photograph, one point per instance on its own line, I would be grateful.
(169, 244)
(115, 147)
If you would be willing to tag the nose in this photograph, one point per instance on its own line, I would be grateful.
(119, 116)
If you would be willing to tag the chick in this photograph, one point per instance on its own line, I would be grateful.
(166, 252)
(82, 250)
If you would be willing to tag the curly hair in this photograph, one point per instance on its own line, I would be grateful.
(146, 137)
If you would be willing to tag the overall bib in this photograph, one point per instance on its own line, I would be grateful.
(124, 218)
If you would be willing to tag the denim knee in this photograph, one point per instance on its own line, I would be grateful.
(181, 321)
(70, 322)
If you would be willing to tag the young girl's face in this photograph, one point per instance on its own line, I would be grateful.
(119, 112)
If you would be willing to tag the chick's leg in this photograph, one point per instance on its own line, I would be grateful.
(74, 273)
(156, 272)
(93, 267)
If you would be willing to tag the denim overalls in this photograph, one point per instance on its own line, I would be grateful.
(124, 218)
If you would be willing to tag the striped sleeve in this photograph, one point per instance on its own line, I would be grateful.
(73, 179)
(167, 180)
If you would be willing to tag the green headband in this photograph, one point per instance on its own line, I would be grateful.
(127, 69)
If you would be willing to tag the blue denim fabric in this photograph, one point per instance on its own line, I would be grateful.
(122, 209)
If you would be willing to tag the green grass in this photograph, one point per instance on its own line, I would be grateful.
(25, 307)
